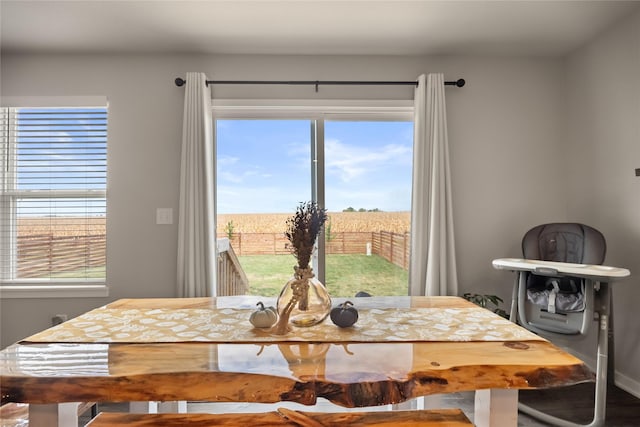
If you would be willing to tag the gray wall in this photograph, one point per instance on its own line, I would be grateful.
(507, 131)
(602, 152)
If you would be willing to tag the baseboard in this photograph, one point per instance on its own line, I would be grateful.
(622, 381)
(627, 384)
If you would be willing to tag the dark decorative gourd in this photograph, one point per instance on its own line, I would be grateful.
(344, 315)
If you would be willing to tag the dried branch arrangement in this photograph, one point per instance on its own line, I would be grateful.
(303, 229)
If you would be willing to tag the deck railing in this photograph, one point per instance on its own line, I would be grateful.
(231, 277)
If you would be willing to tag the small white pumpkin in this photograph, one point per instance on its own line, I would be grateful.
(263, 317)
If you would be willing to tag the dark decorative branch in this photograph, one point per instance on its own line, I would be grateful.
(303, 229)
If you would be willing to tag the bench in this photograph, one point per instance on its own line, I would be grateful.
(287, 417)
(14, 414)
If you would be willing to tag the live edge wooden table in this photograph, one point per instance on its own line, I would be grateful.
(142, 350)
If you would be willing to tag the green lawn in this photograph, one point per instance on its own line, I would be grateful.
(346, 274)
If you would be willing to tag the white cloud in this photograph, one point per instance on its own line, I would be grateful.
(350, 162)
(227, 160)
(241, 176)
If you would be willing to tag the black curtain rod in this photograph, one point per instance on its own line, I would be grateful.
(180, 82)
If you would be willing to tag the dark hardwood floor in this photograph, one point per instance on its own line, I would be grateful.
(576, 404)
(573, 404)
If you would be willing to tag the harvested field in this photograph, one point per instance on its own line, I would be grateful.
(338, 222)
(62, 226)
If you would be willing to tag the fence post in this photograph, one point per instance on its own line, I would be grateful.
(87, 251)
(391, 246)
(50, 253)
(407, 249)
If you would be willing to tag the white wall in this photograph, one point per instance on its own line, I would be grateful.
(602, 153)
(506, 130)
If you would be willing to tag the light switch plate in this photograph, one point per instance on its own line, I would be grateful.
(164, 216)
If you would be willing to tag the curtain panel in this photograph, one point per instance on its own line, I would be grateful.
(197, 223)
(432, 269)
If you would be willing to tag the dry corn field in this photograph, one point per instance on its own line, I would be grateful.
(61, 227)
(338, 222)
(396, 222)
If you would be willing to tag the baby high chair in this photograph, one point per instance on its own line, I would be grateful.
(561, 288)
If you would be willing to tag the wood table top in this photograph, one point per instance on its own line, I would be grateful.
(350, 374)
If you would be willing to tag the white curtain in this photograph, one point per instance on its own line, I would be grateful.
(432, 269)
(196, 224)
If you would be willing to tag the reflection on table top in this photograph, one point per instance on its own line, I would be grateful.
(350, 374)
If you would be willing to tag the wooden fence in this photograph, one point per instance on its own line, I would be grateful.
(43, 255)
(394, 247)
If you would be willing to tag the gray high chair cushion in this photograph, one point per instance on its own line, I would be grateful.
(561, 242)
(565, 242)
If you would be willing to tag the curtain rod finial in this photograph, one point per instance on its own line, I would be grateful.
(460, 82)
(180, 82)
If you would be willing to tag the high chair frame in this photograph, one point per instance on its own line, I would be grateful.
(545, 321)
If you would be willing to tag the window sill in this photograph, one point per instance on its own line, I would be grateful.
(54, 291)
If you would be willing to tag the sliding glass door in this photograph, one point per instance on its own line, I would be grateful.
(368, 196)
(358, 169)
(263, 173)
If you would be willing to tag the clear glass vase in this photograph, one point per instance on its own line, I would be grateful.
(312, 302)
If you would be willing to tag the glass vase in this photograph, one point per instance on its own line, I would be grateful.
(309, 298)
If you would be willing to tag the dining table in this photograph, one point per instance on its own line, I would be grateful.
(206, 350)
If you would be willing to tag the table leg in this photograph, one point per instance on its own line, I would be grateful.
(404, 406)
(496, 407)
(433, 401)
(143, 407)
(179, 406)
(54, 415)
(176, 407)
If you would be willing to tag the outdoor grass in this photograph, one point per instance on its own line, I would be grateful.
(346, 275)
(89, 273)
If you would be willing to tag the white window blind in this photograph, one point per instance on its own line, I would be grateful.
(53, 195)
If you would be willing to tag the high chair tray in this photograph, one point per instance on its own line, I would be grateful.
(552, 268)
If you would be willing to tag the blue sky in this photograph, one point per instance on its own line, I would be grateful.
(61, 149)
(264, 165)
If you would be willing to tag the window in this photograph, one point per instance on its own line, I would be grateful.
(53, 197)
(356, 161)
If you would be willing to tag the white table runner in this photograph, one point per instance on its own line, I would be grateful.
(110, 325)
